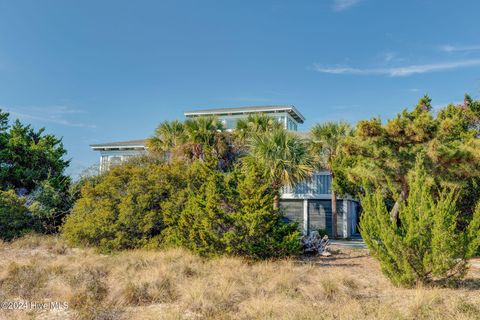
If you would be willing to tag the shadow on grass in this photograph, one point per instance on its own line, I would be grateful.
(472, 284)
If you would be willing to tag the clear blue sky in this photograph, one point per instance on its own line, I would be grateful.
(99, 71)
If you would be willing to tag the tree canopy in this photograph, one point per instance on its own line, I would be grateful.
(32, 165)
(284, 156)
(428, 246)
(383, 154)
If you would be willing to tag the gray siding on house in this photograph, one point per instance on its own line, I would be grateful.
(320, 216)
(320, 213)
(320, 183)
(292, 210)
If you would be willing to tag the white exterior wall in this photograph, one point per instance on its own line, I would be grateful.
(110, 158)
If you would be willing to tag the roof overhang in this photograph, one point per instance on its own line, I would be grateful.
(291, 110)
(122, 145)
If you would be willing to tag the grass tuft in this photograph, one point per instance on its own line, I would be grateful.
(174, 284)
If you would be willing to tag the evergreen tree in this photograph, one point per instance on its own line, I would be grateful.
(383, 154)
(205, 218)
(29, 156)
(427, 245)
(32, 164)
(259, 231)
(230, 213)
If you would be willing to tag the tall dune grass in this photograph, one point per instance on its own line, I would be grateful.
(175, 284)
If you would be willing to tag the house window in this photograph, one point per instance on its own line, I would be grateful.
(231, 123)
(291, 125)
(115, 161)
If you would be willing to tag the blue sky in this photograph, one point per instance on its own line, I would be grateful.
(99, 71)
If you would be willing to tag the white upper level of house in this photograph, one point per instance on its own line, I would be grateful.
(114, 153)
(289, 116)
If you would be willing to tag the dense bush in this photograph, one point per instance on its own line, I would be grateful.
(259, 231)
(124, 208)
(196, 206)
(202, 223)
(232, 213)
(32, 167)
(426, 243)
(15, 219)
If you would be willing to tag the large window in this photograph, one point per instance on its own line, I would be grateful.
(229, 123)
(291, 125)
(281, 119)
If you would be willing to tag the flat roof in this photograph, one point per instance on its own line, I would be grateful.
(291, 110)
(131, 144)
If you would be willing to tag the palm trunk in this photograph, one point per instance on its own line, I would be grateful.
(276, 201)
(334, 214)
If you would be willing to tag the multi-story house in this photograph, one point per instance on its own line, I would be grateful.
(308, 203)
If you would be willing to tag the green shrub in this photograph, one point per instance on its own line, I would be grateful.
(426, 244)
(201, 225)
(124, 208)
(231, 213)
(33, 164)
(196, 205)
(259, 231)
(15, 219)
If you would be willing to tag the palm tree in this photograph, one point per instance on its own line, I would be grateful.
(327, 139)
(255, 124)
(167, 137)
(205, 134)
(203, 130)
(285, 157)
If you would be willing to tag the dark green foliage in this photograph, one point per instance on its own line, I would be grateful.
(259, 231)
(197, 206)
(384, 154)
(28, 156)
(50, 202)
(201, 224)
(15, 219)
(426, 244)
(231, 213)
(124, 208)
(32, 166)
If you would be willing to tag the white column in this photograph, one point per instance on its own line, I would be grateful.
(345, 219)
(305, 217)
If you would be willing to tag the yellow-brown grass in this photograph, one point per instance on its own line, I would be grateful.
(175, 284)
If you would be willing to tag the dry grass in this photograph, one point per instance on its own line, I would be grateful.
(174, 284)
